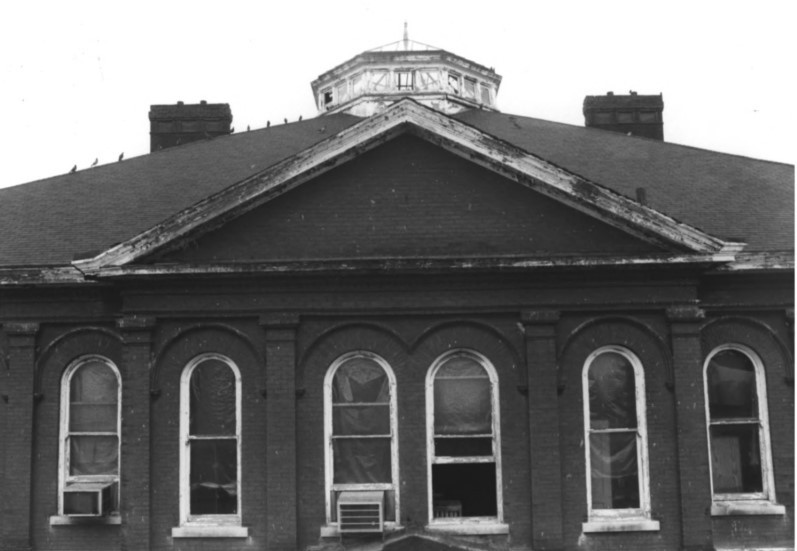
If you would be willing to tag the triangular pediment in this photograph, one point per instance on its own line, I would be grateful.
(625, 226)
(408, 198)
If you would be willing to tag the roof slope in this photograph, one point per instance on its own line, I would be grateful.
(49, 221)
(728, 196)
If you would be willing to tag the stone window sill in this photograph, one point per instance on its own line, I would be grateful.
(620, 525)
(208, 531)
(66, 520)
(331, 530)
(469, 528)
(731, 508)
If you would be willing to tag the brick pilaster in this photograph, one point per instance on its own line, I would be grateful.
(543, 410)
(16, 507)
(281, 508)
(135, 458)
(693, 460)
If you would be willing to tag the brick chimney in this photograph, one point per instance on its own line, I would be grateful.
(178, 124)
(632, 114)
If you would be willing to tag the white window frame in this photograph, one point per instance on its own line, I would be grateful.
(64, 478)
(486, 525)
(631, 519)
(329, 466)
(206, 525)
(752, 503)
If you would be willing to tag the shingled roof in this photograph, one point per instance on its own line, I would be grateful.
(49, 222)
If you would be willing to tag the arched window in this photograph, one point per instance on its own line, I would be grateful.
(360, 432)
(464, 444)
(210, 442)
(738, 426)
(615, 437)
(89, 443)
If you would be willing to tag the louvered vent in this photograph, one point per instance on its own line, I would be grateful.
(361, 512)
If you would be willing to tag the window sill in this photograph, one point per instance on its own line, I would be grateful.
(66, 520)
(331, 530)
(731, 508)
(206, 531)
(469, 527)
(620, 525)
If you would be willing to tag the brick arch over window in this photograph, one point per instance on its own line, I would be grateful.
(632, 333)
(336, 340)
(756, 334)
(206, 337)
(477, 335)
(62, 350)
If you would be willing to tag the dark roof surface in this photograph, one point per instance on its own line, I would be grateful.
(49, 221)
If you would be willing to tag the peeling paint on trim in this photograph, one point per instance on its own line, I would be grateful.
(455, 136)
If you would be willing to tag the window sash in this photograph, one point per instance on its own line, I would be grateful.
(331, 438)
(487, 373)
(640, 437)
(66, 434)
(761, 421)
(186, 516)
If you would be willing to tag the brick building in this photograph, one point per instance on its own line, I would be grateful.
(413, 322)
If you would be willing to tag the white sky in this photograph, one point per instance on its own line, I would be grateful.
(78, 76)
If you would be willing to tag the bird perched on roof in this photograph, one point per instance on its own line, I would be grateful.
(121, 155)
(300, 118)
(286, 120)
(247, 128)
(268, 123)
(74, 169)
(232, 130)
(96, 160)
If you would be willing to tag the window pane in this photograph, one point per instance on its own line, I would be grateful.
(614, 465)
(463, 447)
(372, 420)
(404, 80)
(731, 386)
(462, 406)
(93, 455)
(380, 81)
(214, 477)
(470, 88)
(453, 83)
(362, 460)
(92, 417)
(612, 400)
(464, 490)
(736, 459)
(212, 399)
(93, 396)
(461, 366)
(360, 380)
(485, 95)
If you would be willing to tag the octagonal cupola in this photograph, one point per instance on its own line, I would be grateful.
(371, 81)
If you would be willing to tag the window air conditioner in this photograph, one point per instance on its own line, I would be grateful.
(89, 499)
(360, 512)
